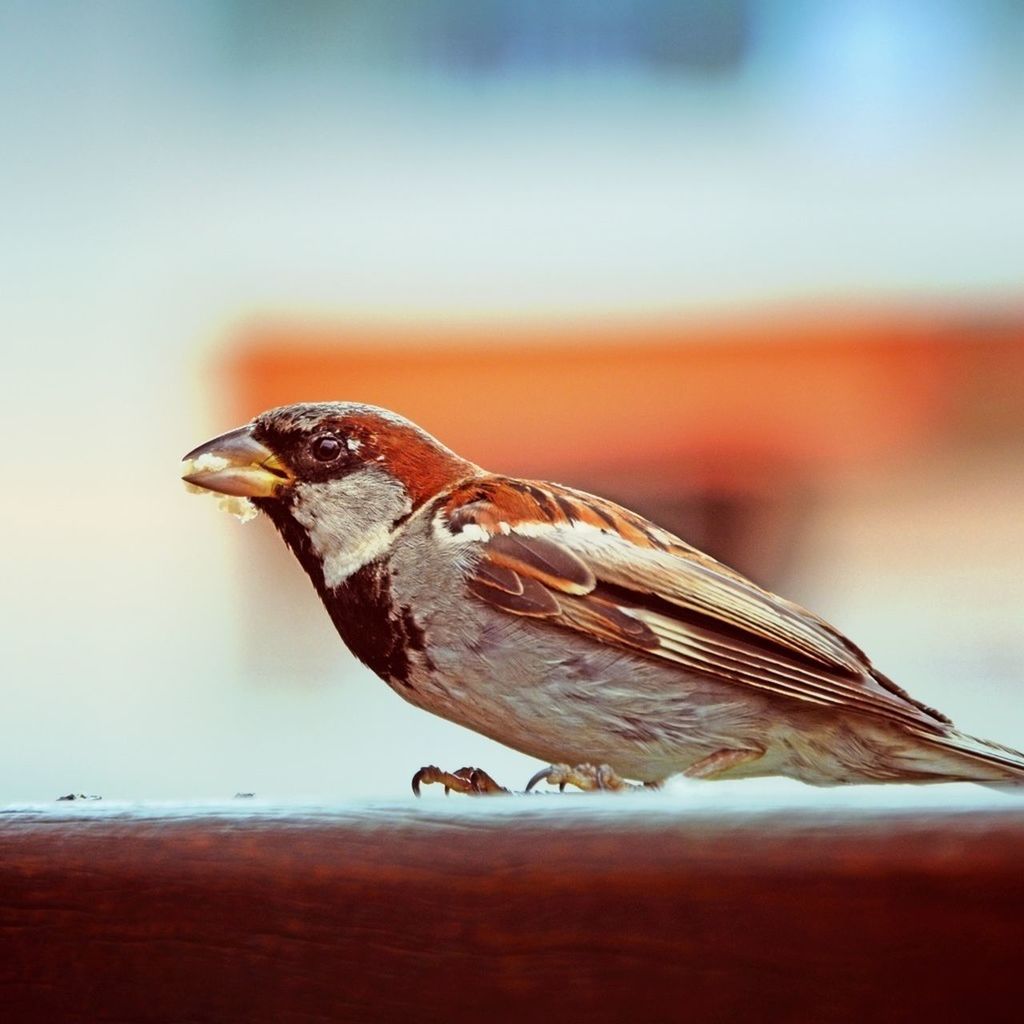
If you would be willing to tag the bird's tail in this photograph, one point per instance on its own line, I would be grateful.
(970, 759)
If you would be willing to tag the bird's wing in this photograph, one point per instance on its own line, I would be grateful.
(583, 563)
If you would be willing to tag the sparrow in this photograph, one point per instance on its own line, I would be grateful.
(568, 627)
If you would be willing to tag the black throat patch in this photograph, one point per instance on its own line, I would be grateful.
(377, 630)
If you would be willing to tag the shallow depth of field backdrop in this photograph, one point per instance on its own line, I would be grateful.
(206, 205)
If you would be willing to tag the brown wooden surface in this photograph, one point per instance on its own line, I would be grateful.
(512, 909)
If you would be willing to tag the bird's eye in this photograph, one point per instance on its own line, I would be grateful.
(325, 448)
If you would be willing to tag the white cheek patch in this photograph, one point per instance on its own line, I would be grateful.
(340, 564)
(349, 520)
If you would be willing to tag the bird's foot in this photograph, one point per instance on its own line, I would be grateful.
(473, 781)
(587, 777)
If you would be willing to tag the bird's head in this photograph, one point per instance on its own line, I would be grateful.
(335, 477)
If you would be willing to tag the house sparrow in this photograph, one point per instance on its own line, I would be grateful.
(566, 626)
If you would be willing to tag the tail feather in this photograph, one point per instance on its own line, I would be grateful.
(984, 761)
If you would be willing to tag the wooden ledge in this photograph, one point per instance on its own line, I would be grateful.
(518, 909)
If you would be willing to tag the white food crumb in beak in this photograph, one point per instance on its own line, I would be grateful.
(210, 462)
(241, 508)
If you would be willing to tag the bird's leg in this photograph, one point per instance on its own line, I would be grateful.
(720, 762)
(476, 782)
(473, 781)
(583, 776)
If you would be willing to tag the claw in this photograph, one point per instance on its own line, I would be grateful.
(480, 781)
(425, 774)
(555, 774)
(472, 781)
(476, 782)
(584, 776)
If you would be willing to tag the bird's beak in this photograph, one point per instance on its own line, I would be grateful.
(236, 463)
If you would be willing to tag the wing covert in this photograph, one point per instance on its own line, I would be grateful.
(600, 570)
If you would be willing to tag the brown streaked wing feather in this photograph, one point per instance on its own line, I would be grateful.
(608, 621)
(553, 564)
(654, 594)
(707, 585)
(534, 600)
(757, 665)
(692, 580)
(701, 658)
(498, 577)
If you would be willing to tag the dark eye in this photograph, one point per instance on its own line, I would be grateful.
(325, 448)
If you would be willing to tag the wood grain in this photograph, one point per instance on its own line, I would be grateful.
(511, 910)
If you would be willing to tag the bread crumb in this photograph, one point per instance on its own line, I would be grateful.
(208, 462)
(241, 508)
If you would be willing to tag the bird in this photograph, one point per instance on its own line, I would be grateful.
(567, 627)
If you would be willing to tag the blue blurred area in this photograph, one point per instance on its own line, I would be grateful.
(493, 38)
(172, 169)
(458, 155)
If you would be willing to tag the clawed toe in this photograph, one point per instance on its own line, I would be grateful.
(476, 782)
(472, 781)
(587, 777)
(554, 774)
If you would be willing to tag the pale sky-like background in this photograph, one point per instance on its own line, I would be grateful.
(171, 170)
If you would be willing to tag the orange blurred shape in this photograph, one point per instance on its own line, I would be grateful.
(770, 392)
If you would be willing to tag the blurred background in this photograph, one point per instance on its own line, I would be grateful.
(753, 268)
